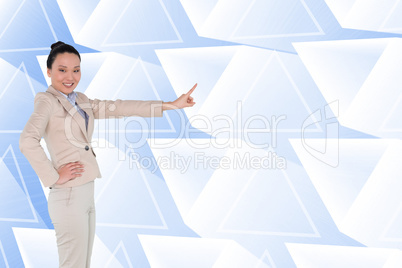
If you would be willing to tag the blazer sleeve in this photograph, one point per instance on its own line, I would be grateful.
(121, 108)
(30, 140)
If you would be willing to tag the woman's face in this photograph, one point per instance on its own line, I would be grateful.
(65, 73)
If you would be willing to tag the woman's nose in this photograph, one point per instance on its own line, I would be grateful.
(69, 75)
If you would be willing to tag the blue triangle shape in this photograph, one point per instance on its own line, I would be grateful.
(15, 203)
(272, 18)
(3, 258)
(28, 29)
(17, 101)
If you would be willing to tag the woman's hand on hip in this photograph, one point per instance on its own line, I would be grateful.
(69, 172)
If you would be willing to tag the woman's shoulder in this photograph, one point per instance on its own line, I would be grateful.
(82, 96)
(44, 96)
(45, 101)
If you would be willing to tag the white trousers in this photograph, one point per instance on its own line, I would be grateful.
(72, 211)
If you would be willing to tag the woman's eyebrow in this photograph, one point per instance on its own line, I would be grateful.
(78, 66)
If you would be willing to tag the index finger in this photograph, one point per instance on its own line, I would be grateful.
(192, 89)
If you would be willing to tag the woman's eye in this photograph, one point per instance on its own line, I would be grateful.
(76, 71)
(61, 70)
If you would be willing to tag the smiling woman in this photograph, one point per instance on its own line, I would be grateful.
(64, 68)
(65, 119)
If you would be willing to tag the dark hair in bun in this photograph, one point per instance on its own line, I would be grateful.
(60, 48)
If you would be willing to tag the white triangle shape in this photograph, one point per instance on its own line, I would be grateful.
(329, 256)
(184, 176)
(123, 24)
(339, 187)
(76, 13)
(275, 82)
(392, 231)
(392, 122)
(266, 258)
(340, 8)
(187, 66)
(115, 73)
(122, 248)
(198, 11)
(340, 68)
(125, 190)
(253, 197)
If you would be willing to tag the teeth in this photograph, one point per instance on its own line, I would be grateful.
(69, 85)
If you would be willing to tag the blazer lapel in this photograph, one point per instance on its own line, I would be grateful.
(71, 110)
(88, 109)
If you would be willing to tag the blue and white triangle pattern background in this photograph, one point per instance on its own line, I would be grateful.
(290, 157)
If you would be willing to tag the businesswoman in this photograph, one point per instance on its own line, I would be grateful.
(65, 119)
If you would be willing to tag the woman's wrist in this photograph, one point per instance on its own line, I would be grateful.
(168, 106)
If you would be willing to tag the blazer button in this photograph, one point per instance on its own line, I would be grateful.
(86, 148)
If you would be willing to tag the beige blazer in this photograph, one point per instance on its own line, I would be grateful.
(67, 139)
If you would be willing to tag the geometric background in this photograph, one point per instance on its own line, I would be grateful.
(309, 87)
